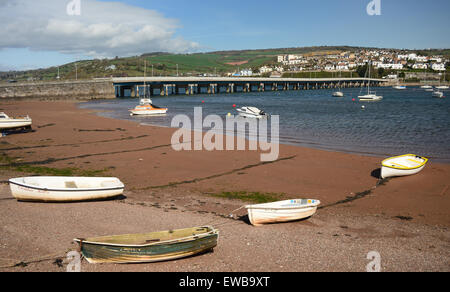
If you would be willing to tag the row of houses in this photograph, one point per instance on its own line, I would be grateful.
(346, 61)
(349, 61)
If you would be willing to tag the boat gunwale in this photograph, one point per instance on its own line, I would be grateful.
(261, 207)
(405, 168)
(11, 181)
(212, 231)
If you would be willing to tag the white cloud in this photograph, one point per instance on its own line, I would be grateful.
(104, 29)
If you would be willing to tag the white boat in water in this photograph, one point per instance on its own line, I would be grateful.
(426, 87)
(282, 211)
(442, 87)
(370, 96)
(251, 112)
(338, 94)
(403, 165)
(7, 122)
(399, 87)
(438, 94)
(146, 107)
(65, 189)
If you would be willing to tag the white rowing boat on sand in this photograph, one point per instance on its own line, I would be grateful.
(65, 189)
(282, 211)
(403, 165)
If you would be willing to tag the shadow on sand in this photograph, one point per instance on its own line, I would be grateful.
(376, 173)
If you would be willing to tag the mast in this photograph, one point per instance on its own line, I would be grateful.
(368, 83)
(145, 75)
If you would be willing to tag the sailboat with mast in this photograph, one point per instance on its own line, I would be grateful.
(339, 93)
(442, 86)
(146, 107)
(370, 96)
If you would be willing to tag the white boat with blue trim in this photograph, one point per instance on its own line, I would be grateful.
(282, 211)
(65, 189)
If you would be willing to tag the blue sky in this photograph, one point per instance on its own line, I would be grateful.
(41, 34)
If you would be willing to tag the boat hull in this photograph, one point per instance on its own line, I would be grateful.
(23, 192)
(13, 124)
(369, 98)
(195, 243)
(338, 94)
(246, 115)
(403, 165)
(148, 112)
(438, 94)
(392, 172)
(266, 214)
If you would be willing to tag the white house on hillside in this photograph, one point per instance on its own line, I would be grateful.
(438, 67)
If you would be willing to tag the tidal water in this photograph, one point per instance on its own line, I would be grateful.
(405, 121)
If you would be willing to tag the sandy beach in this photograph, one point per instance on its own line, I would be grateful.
(405, 219)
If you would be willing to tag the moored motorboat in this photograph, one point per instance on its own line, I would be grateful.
(442, 87)
(282, 211)
(7, 122)
(150, 247)
(338, 94)
(426, 87)
(251, 112)
(148, 110)
(399, 87)
(65, 189)
(146, 107)
(403, 165)
(370, 97)
(438, 94)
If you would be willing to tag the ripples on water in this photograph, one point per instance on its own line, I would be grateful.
(405, 121)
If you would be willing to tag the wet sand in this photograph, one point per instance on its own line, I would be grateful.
(406, 219)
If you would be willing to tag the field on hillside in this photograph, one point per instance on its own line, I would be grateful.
(164, 64)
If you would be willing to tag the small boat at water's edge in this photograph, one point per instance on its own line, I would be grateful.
(403, 165)
(65, 189)
(282, 211)
(150, 247)
(146, 107)
(7, 122)
(148, 110)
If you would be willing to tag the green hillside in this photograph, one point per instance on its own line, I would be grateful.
(164, 64)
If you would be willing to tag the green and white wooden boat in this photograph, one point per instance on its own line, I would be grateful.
(150, 247)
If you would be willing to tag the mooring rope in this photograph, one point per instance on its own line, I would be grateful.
(18, 263)
(230, 215)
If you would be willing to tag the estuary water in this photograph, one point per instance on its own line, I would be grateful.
(405, 121)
